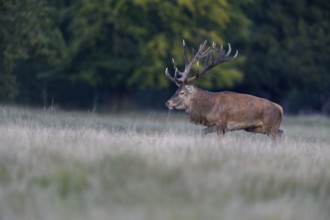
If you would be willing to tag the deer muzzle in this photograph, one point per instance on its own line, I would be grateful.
(169, 104)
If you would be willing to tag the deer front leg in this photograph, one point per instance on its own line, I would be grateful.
(209, 129)
(213, 128)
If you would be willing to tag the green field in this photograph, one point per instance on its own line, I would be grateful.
(77, 166)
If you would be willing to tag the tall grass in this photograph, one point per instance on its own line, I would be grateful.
(157, 166)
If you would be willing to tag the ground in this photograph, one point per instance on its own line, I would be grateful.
(75, 165)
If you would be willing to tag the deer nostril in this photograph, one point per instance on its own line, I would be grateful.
(167, 103)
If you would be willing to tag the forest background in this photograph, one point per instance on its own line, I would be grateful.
(110, 55)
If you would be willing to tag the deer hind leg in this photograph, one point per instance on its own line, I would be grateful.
(274, 131)
(273, 124)
(275, 135)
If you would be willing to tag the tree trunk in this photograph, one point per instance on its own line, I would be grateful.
(121, 100)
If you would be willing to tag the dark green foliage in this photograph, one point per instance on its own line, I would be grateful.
(85, 53)
(119, 45)
(289, 50)
(127, 44)
(30, 45)
(8, 87)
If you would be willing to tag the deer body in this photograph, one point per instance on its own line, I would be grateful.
(221, 111)
(228, 111)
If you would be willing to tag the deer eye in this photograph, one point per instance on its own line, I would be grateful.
(181, 93)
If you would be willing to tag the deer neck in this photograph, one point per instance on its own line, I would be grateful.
(200, 105)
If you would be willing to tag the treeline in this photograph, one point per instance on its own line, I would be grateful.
(111, 54)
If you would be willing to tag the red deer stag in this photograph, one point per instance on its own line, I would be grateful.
(221, 111)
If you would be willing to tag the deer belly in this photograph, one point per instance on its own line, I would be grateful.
(235, 125)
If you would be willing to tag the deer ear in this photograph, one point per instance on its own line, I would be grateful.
(190, 88)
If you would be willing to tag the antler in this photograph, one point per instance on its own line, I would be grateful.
(209, 62)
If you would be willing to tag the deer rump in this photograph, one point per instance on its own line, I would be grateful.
(230, 111)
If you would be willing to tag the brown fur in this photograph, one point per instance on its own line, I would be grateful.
(228, 111)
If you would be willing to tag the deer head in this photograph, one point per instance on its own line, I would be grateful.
(182, 97)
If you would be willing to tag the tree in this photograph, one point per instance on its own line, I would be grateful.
(30, 44)
(120, 46)
(288, 50)
(125, 45)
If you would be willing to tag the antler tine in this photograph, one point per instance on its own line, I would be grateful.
(185, 53)
(199, 54)
(176, 74)
(205, 52)
(213, 44)
(169, 77)
(210, 62)
(234, 57)
(174, 64)
(176, 67)
(188, 64)
(211, 53)
(229, 50)
(221, 51)
(226, 57)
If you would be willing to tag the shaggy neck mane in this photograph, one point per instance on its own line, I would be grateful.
(201, 104)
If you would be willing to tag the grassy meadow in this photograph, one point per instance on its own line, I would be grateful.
(136, 166)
